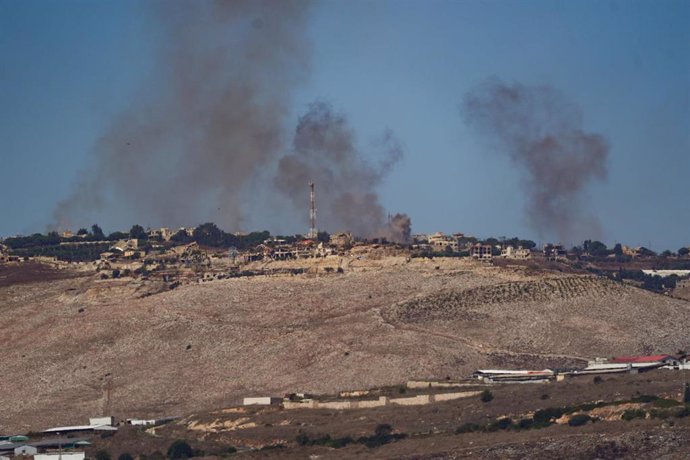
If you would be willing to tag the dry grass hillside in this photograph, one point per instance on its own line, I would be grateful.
(203, 346)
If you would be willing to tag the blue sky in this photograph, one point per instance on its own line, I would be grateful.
(68, 67)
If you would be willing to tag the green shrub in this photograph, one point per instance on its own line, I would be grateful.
(663, 414)
(486, 396)
(666, 403)
(383, 429)
(524, 424)
(546, 415)
(579, 419)
(686, 393)
(685, 412)
(468, 428)
(125, 456)
(597, 380)
(102, 455)
(302, 439)
(500, 424)
(645, 398)
(179, 450)
(631, 414)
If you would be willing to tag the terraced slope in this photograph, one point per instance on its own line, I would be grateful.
(571, 316)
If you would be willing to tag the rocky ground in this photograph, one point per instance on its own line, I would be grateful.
(80, 347)
(431, 431)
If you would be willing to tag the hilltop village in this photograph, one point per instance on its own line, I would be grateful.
(206, 252)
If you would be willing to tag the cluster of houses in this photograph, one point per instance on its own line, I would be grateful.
(457, 243)
(65, 442)
(619, 364)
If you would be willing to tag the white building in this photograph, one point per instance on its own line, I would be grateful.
(509, 252)
(262, 401)
(25, 450)
(60, 456)
(440, 242)
(100, 421)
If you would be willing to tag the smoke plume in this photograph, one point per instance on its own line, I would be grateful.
(210, 119)
(541, 132)
(324, 151)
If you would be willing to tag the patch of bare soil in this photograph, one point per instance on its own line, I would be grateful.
(82, 347)
(429, 432)
(32, 272)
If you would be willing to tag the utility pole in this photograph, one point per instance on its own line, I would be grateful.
(108, 390)
(313, 233)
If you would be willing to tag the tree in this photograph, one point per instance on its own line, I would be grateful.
(209, 234)
(137, 232)
(618, 249)
(118, 236)
(181, 237)
(527, 244)
(323, 237)
(102, 455)
(97, 232)
(686, 393)
(486, 396)
(180, 450)
(597, 249)
(82, 231)
(682, 252)
(125, 456)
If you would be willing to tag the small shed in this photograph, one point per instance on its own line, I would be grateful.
(61, 456)
(262, 401)
(101, 421)
(25, 450)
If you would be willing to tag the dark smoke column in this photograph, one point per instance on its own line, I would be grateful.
(324, 150)
(541, 132)
(208, 121)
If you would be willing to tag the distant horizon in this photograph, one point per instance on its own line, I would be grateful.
(554, 119)
(539, 243)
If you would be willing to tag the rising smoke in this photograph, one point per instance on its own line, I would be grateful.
(541, 132)
(324, 150)
(210, 119)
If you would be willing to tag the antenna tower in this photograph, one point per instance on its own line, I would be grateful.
(313, 233)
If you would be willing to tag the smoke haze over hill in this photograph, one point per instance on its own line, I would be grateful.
(541, 132)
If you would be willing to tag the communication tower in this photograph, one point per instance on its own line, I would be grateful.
(313, 233)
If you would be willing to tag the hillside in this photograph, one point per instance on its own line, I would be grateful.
(203, 346)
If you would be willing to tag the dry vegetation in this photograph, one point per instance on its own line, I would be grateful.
(204, 346)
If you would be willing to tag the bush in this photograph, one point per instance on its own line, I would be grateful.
(486, 396)
(302, 439)
(525, 424)
(383, 429)
(102, 455)
(500, 424)
(686, 393)
(180, 450)
(645, 398)
(579, 420)
(546, 415)
(468, 428)
(125, 456)
(666, 403)
(631, 414)
(597, 380)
